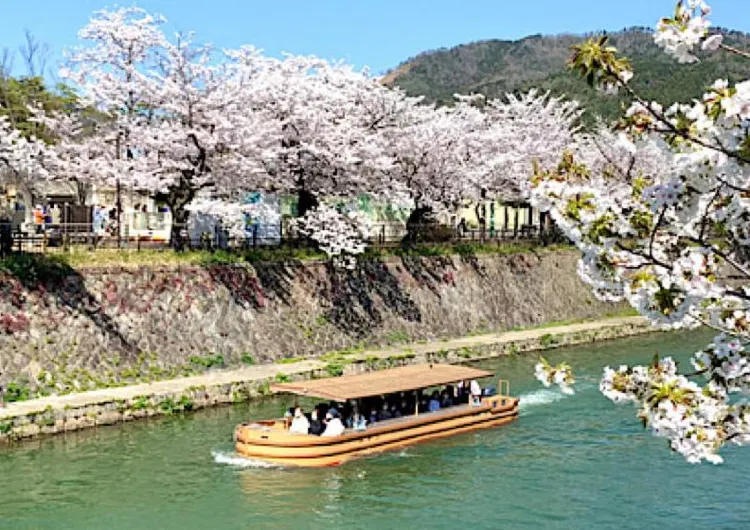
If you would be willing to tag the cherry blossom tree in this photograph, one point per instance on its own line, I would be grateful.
(178, 127)
(20, 155)
(665, 225)
(522, 130)
(430, 148)
(195, 127)
(24, 161)
(329, 115)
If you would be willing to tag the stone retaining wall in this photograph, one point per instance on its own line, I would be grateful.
(93, 409)
(65, 330)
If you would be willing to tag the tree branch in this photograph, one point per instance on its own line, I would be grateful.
(736, 51)
(674, 130)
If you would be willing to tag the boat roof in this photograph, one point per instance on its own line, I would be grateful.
(382, 382)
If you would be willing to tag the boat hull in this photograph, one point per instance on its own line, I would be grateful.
(271, 443)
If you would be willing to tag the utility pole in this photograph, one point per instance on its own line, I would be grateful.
(118, 200)
(119, 214)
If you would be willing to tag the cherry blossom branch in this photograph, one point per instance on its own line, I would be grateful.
(671, 127)
(736, 51)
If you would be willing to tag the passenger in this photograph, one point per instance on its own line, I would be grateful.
(288, 415)
(385, 412)
(434, 404)
(476, 393)
(423, 404)
(373, 415)
(316, 427)
(347, 411)
(358, 422)
(464, 392)
(349, 420)
(300, 423)
(445, 399)
(406, 409)
(334, 427)
(395, 413)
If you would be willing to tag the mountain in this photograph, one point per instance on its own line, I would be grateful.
(495, 67)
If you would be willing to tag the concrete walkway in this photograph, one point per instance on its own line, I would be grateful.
(264, 372)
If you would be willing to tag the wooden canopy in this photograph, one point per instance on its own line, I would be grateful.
(383, 382)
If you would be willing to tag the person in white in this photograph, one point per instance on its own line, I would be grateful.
(476, 393)
(300, 424)
(334, 427)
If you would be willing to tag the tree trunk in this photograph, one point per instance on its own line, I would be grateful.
(420, 225)
(178, 233)
(306, 201)
(6, 236)
(177, 198)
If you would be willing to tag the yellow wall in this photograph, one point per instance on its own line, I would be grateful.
(469, 213)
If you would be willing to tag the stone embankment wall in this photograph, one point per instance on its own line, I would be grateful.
(65, 330)
(52, 415)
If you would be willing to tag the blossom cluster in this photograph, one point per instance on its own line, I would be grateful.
(696, 420)
(20, 155)
(560, 375)
(682, 33)
(660, 209)
(341, 236)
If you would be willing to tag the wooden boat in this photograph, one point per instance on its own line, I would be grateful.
(270, 440)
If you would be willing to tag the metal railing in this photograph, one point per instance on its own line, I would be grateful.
(61, 236)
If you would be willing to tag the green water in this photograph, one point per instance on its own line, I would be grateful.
(569, 462)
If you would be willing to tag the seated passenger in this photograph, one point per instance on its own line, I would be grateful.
(347, 412)
(316, 427)
(288, 415)
(373, 415)
(300, 424)
(445, 399)
(434, 403)
(358, 422)
(406, 408)
(351, 418)
(395, 413)
(385, 412)
(334, 427)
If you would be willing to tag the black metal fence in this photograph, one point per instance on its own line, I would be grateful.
(63, 236)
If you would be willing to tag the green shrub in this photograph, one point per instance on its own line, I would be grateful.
(247, 359)
(547, 340)
(397, 337)
(140, 403)
(291, 360)
(335, 369)
(16, 392)
(208, 361)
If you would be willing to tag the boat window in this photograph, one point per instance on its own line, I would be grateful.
(359, 414)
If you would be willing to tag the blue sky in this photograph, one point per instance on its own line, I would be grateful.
(376, 33)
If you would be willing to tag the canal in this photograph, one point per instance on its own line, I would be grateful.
(572, 462)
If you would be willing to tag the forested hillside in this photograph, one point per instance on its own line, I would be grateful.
(494, 67)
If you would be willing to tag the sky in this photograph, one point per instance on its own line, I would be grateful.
(375, 33)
